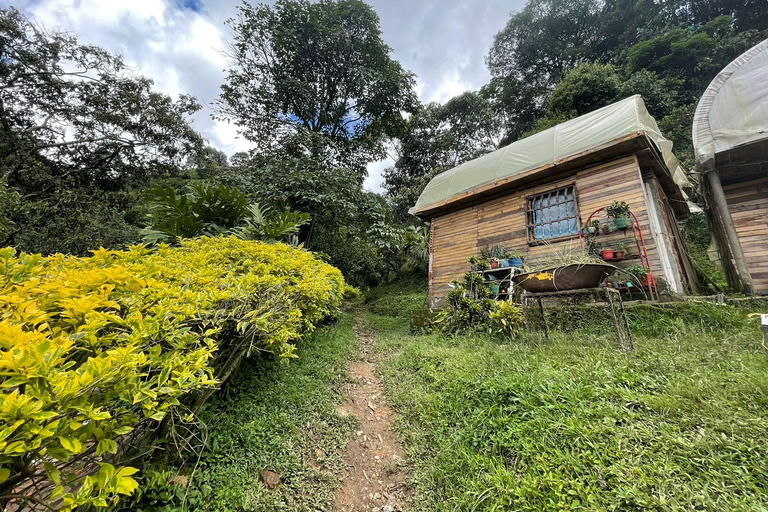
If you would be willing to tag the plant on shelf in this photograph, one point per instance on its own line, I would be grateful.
(618, 251)
(497, 253)
(638, 274)
(593, 247)
(619, 212)
(516, 258)
(479, 263)
(606, 253)
(592, 228)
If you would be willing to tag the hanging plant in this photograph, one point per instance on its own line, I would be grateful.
(619, 212)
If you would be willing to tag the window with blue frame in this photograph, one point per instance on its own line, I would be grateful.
(553, 215)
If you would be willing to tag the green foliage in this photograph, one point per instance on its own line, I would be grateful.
(270, 226)
(574, 56)
(438, 137)
(270, 416)
(572, 423)
(618, 209)
(93, 349)
(697, 239)
(79, 131)
(204, 209)
(316, 74)
(399, 297)
(506, 319)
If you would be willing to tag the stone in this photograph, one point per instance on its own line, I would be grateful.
(270, 478)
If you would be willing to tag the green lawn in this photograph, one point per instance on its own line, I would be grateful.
(571, 423)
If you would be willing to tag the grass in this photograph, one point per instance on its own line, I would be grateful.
(571, 423)
(398, 298)
(277, 416)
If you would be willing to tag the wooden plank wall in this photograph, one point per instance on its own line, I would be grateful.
(461, 234)
(748, 202)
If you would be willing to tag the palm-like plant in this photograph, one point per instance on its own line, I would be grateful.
(416, 247)
(204, 210)
(268, 225)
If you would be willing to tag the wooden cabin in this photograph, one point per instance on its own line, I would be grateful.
(730, 137)
(612, 154)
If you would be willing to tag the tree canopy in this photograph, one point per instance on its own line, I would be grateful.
(319, 71)
(77, 128)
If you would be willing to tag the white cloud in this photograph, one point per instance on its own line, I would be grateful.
(375, 181)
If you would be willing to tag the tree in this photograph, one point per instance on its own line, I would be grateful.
(77, 130)
(314, 78)
(439, 137)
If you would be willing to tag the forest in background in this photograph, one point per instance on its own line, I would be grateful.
(314, 88)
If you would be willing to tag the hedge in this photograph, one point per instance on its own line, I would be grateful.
(95, 352)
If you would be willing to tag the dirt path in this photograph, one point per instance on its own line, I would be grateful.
(375, 478)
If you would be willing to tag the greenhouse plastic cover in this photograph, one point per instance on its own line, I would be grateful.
(734, 109)
(550, 146)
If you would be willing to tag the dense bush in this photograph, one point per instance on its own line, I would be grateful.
(96, 351)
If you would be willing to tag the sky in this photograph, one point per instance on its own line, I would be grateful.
(179, 43)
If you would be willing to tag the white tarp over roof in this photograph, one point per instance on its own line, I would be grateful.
(734, 109)
(549, 146)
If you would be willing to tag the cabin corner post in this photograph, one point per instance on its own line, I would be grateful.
(729, 228)
(431, 245)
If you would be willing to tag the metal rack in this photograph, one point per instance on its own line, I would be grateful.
(503, 276)
(637, 233)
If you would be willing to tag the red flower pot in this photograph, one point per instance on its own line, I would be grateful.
(619, 255)
(494, 264)
(607, 254)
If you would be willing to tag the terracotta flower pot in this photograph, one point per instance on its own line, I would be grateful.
(607, 254)
(494, 264)
(619, 255)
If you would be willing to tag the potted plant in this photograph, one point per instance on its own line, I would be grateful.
(618, 251)
(479, 264)
(495, 289)
(639, 274)
(606, 253)
(619, 212)
(516, 258)
(591, 228)
(494, 263)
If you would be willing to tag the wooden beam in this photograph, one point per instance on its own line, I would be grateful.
(732, 237)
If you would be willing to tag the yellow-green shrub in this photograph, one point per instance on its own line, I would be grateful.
(96, 350)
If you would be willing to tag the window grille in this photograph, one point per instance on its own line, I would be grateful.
(552, 215)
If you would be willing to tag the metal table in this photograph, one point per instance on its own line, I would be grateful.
(610, 296)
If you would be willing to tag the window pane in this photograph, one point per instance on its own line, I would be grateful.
(553, 214)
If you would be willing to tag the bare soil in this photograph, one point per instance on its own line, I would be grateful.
(375, 478)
